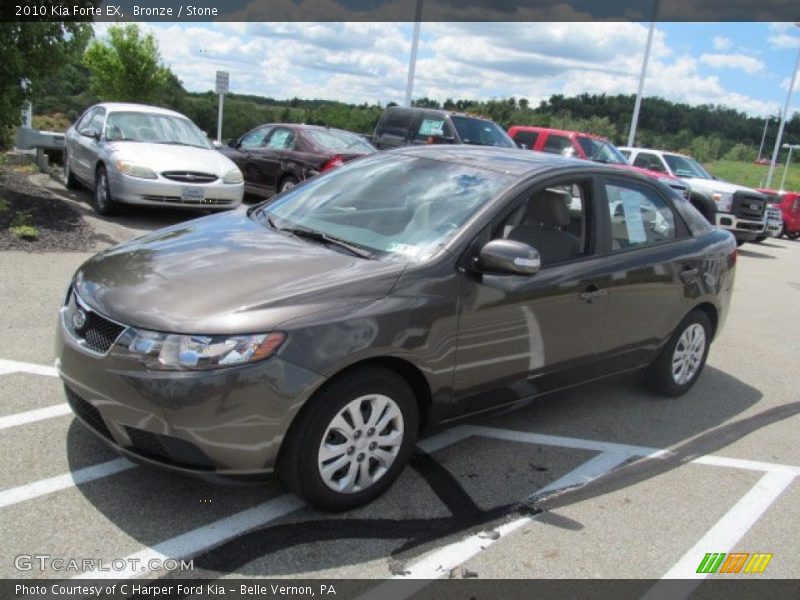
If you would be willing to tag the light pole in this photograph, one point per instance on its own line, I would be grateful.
(784, 114)
(764, 136)
(412, 61)
(638, 104)
(788, 160)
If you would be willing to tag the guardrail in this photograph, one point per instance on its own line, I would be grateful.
(33, 139)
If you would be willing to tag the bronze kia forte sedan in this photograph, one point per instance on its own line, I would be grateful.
(318, 333)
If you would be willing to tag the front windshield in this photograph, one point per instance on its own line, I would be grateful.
(481, 132)
(390, 205)
(682, 166)
(154, 128)
(601, 151)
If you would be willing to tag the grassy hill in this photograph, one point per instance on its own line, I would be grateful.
(752, 175)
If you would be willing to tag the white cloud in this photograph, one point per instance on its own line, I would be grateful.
(784, 35)
(722, 43)
(367, 62)
(745, 63)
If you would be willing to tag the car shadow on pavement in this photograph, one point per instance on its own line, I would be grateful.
(753, 254)
(468, 486)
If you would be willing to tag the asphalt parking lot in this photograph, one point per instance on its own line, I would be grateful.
(605, 481)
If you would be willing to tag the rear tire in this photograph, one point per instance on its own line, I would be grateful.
(794, 235)
(103, 202)
(288, 183)
(760, 239)
(351, 441)
(70, 182)
(681, 361)
(740, 242)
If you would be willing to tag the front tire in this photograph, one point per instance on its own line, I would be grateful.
(288, 183)
(760, 239)
(351, 441)
(681, 361)
(103, 202)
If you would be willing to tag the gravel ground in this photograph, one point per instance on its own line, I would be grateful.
(59, 226)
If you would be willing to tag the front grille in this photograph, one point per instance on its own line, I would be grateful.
(747, 206)
(168, 449)
(190, 176)
(87, 412)
(773, 214)
(179, 200)
(96, 332)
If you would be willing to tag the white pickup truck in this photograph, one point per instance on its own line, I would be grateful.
(739, 209)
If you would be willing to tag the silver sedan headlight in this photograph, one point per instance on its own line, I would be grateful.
(131, 169)
(233, 176)
(165, 351)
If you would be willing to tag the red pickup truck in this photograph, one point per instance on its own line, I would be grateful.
(586, 146)
(789, 205)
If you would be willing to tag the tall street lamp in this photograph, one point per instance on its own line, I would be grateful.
(784, 114)
(788, 160)
(764, 135)
(642, 74)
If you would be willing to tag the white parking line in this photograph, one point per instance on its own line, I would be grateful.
(13, 366)
(43, 487)
(193, 542)
(722, 536)
(32, 416)
(440, 562)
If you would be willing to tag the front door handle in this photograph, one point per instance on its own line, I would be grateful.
(688, 272)
(591, 292)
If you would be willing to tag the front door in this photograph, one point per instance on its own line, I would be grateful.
(522, 335)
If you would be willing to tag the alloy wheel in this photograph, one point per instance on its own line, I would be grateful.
(688, 354)
(361, 443)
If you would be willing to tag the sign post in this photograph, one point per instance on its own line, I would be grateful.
(223, 80)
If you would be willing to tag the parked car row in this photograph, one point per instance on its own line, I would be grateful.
(134, 154)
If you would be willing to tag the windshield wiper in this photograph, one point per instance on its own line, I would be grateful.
(174, 143)
(325, 237)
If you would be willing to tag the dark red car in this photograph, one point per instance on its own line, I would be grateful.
(789, 205)
(275, 157)
(588, 147)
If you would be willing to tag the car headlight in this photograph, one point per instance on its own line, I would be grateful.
(233, 176)
(723, 201)
(133, 170)
(167, 351)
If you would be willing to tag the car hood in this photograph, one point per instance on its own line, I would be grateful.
(226, 274)
(717, 186)
(653, 174)
(166, 157)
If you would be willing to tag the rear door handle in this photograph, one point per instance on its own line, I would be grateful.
(591, 292)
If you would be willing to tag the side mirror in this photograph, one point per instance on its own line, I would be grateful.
(216, 144)
(233, 143)
(508, 257)
(90, 132)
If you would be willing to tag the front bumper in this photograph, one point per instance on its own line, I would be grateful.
(165, 192)
(743, 229)
(219, 424)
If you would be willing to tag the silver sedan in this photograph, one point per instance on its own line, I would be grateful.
(137, 154)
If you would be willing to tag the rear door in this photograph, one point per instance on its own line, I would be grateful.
(654, 265)
(393, 129)
(275, 152)
(556, 143)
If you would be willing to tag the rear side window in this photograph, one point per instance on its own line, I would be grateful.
(526, 138)
(394, 122)
(645, 160)
(557, 144)
(638, 215)
(281, 139)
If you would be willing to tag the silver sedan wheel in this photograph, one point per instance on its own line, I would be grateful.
(361, 443)
(688, 354)
(101, 190)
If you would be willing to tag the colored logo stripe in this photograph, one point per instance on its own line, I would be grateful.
(758, 562)
(711, 562)
(734, 562)
(714, 562)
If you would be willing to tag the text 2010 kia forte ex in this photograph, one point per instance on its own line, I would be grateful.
(316, 334)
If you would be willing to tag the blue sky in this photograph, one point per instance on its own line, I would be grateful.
(746, 66)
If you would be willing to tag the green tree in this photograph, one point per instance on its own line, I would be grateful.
(33, 51)
(128, 68)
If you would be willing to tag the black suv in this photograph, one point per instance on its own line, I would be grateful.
(401, 126)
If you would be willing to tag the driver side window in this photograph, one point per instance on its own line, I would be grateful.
(555, 220)
(254, 139)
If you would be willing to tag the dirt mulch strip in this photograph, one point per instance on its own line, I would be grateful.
(59, 226)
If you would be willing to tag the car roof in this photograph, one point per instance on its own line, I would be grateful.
(566, 132)
(502, 160)
(133, 107)
(652, 151)
(439, 111)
